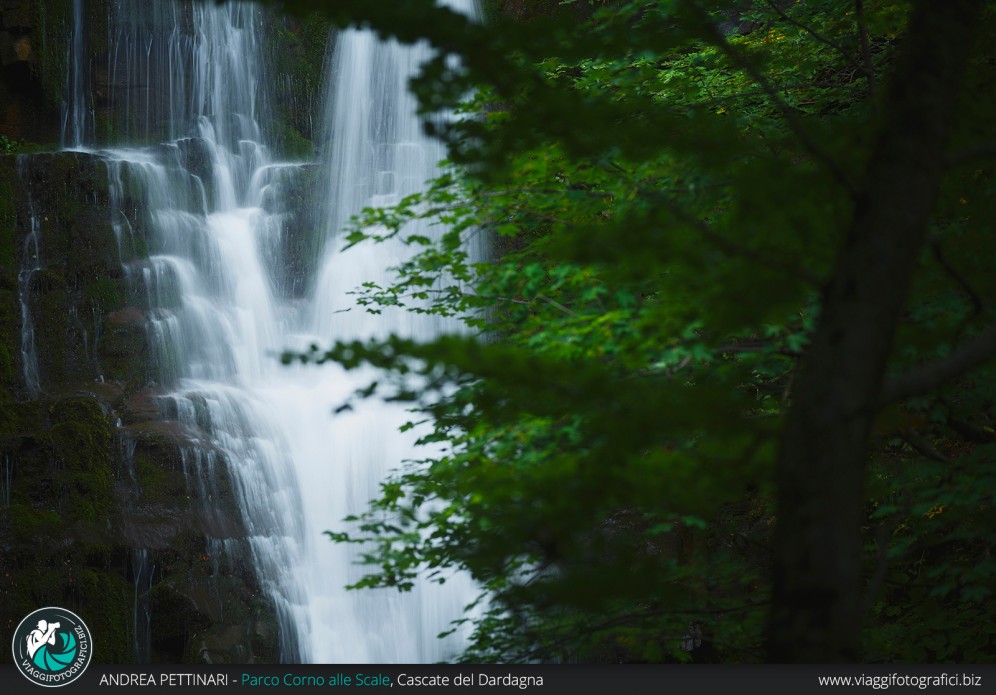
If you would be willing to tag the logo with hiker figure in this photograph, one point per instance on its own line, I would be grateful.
(52, 647)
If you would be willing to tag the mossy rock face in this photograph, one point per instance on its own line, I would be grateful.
(204, 599)
(207, 607)
(295, 258)
(141, 406)
(153, 491)
(10, 319)
(52, 21)
(80, 444)
(103, 295)
(86, 496)
(69, 201)
(93, 248)
(77, 275)
(194, 155)
(8, 278)
(176, 618)
(64, 460)
(63, 576)
(80, 279)
(239, 629)
(296, 48)
(11, 190)
(158, 467)
(123, 351)
(58, 532)
(62, 351)
(107, 596)
(31, 525)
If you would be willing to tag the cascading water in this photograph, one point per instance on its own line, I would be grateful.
(30, 264)
(377, 154)
(77, 108)
(219, 313)
(143, 572)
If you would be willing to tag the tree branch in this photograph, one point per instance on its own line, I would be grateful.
(556, 304)
(715, 36)
(970, 431)
(818, 573)
(731, 246)
(819, 37)
(973, 296)
(983, 150)
(922, 446)
(758, 348)
(859, 10)
(930, 375)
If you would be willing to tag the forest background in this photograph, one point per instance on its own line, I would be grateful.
(727, 393)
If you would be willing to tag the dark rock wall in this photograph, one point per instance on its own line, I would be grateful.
(31, 78)
(102, 508)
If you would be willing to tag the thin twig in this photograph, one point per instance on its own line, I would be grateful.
(734, 247)
(935, 247)
(923, 446)
(556, 304)
(930, 375)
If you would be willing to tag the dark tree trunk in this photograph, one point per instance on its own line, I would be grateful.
(818, 588)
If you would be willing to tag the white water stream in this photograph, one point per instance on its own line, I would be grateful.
(219, 317)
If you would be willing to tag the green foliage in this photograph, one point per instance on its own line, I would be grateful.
(8, 146)
(641, 211)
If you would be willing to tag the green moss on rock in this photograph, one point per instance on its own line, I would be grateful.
(123, 353)
(80, 444)
(34, 525)
(296, 50)
(9, 186)
(104, 295)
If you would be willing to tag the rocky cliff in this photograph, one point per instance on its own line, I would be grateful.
(104, 511)
(104, 508)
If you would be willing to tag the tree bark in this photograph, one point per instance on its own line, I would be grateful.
(817, 600)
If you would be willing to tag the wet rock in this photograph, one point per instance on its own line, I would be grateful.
(95, 471)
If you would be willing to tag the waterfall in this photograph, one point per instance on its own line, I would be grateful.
(31, 263)
(215, 322)
(210, 217)
(142, 576)
(376, 154)
(77, 107)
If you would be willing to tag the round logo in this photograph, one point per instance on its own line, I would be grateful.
(52, 647)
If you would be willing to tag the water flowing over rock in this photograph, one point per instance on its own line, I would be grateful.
(163, 262)
(376, 154)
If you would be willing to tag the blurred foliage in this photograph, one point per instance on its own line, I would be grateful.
(643, 203)
(8, 146)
